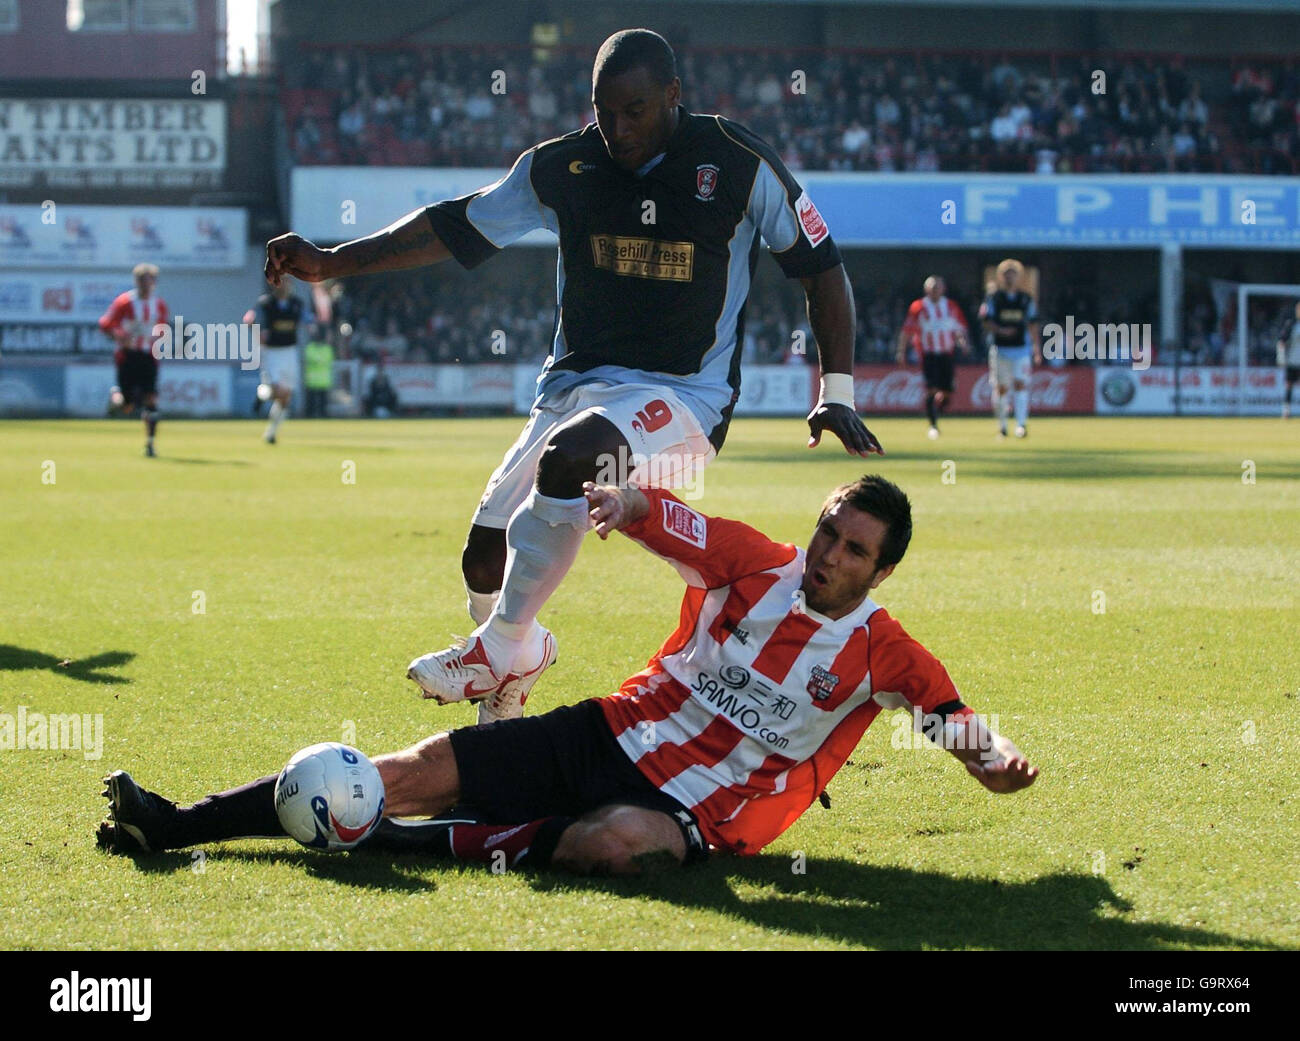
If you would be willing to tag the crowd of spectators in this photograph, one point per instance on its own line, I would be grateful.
(823, 110)
(509, 317)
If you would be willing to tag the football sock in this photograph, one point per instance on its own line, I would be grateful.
(1000, 408)
(1022, 407)
(509, 845)
(244, 812)
(277, 414)
(150, 417)
(480, 604)
(932, 409)
(542, 539)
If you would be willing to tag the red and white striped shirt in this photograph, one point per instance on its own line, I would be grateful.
(933, 326)
(753, 704)
(136, 318)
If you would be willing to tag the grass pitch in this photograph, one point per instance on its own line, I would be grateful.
(1120, 594)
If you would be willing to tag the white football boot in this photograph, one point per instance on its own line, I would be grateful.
(463, 673)
(508, 701)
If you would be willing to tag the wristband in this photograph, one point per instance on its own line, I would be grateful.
(837, 389)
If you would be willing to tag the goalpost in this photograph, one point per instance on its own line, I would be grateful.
(1245, 290)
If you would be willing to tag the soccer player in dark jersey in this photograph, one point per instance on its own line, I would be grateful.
(659, 212)
(130, 321)
(278, 314)
(780, 662)
(1011, 317)
(1288, 357)
(935, 326)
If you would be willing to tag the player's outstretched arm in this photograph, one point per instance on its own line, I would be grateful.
(831, 315)
(406, 243)
(988, 757)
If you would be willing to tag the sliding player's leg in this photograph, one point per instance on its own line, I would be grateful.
(421, 780)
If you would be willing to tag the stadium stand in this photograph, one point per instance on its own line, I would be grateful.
(920, 111)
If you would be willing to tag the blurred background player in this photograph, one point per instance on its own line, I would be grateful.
(1011, 317)
(1288, 358)
(130, 320)
(934, 326)
(278, 313)
(317, 370)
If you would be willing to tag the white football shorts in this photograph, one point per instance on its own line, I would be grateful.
(280, 366)
(669, 447)
(1010, 364)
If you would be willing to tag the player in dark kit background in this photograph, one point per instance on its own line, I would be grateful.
(278, 314)
(1011, 317)
(659, 212)
(130, 320)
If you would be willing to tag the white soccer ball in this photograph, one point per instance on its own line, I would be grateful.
(329, 797)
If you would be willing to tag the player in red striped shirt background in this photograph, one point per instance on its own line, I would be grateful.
(779, 663)
(130, 321)
(933, 328)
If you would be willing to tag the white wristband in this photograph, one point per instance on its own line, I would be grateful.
(837, 389)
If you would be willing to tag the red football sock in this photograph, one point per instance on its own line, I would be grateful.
(530, 844)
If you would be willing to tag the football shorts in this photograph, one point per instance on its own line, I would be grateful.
(565, 762)
(669, 448)
(1008, 365)
(938, 370)
(280, 366)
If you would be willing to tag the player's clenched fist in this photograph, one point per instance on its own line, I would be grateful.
(613, 508)
(293, 255)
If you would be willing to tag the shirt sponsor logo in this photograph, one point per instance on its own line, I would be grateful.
(822, 684)
(644, 258)
(685, 523)
(810, 220)
(578, 166)
(706, 180)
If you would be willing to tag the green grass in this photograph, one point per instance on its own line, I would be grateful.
(1155, 823)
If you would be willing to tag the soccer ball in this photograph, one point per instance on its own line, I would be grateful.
(329, 797)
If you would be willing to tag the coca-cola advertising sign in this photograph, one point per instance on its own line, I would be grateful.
(888, 388)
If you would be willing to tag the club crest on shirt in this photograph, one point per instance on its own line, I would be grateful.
(811, 221)
(822, 684)
(685, 523)
(706, 180)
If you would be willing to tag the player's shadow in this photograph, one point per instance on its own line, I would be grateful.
(370, 872)
(87, 670)
(901, 909)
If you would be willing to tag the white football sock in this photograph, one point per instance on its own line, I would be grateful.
(277, 414)
(1022, 407)
(1001, 406)
(480, 604)
(533, 646)
(542, 542)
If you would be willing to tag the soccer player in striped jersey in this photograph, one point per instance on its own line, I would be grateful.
(780, 661)
(934, 327)
(130, 321)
